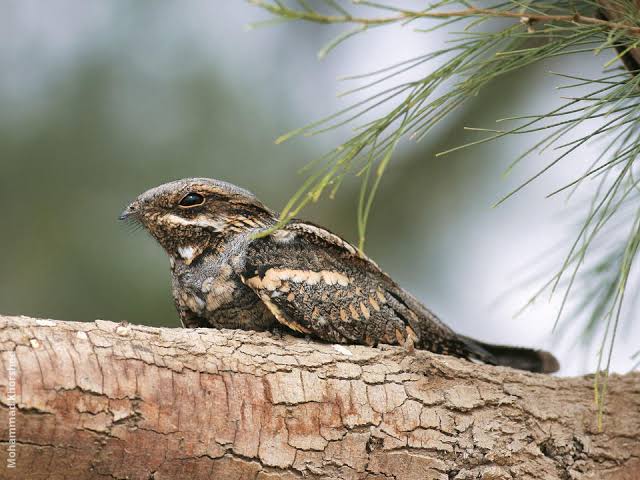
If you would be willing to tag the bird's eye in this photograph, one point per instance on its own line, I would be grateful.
(191, 199)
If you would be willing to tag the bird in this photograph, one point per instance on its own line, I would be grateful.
(235, 265)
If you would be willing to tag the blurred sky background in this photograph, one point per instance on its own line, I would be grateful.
(102, 100)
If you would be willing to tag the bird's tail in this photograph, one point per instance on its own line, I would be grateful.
(537, 361)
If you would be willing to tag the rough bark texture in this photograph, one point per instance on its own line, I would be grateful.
(104, 400)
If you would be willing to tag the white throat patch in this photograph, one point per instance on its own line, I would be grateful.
(187, 253)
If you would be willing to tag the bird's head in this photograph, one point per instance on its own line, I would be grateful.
(186, 216)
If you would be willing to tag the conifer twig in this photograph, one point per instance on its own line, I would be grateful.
(407, 15)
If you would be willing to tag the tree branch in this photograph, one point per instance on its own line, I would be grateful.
(629, 55)
(103, 400)
(408, 15)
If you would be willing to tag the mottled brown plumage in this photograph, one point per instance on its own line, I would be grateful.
(300, 276)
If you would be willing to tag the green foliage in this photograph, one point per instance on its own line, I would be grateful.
(486, 43)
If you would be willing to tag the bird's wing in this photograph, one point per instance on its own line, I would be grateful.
(315, 282)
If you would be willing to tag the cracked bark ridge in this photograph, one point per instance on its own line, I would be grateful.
(108, 401)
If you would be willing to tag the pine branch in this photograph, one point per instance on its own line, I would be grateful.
(527, 14)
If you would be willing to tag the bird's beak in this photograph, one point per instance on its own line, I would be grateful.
(129, 212)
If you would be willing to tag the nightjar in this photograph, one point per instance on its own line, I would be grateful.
(300, 276)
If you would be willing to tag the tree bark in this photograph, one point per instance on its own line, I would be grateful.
(109, 401)
(613, 10)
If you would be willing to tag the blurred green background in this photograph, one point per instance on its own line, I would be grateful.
(102, 101)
